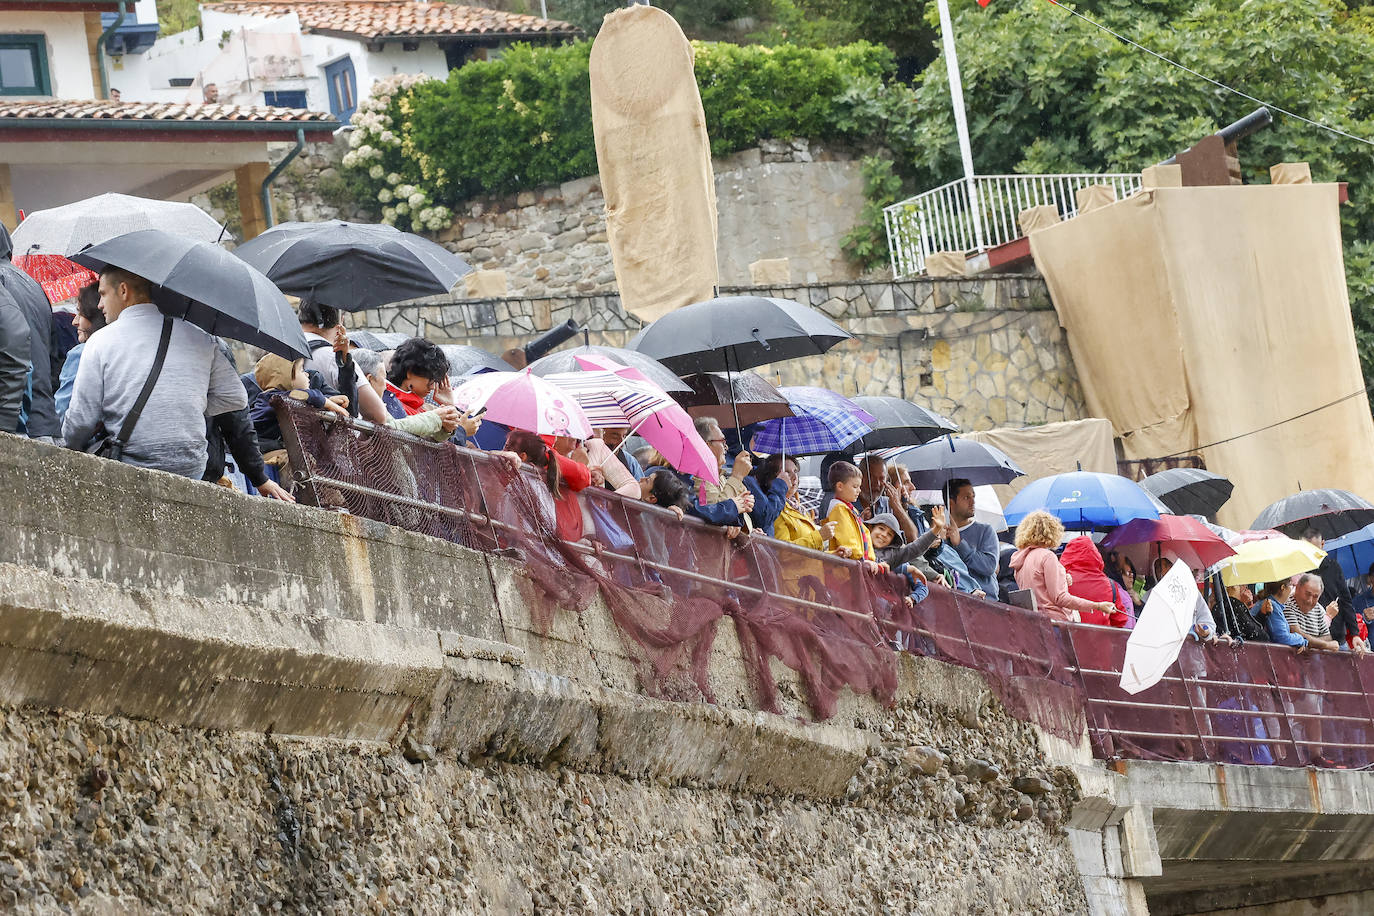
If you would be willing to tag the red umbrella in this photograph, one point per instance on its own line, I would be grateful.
(59, 277)
(1185, 537)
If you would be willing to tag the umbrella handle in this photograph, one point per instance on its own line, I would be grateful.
(633, 429)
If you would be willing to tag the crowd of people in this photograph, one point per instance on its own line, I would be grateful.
(116, 370)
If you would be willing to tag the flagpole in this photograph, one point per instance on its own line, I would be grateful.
(956, 97)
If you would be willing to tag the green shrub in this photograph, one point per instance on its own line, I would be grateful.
(524, 120)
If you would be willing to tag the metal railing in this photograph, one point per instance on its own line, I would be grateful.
(1258, 704)
(976, 216)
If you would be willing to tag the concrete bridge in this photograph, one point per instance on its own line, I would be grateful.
(279, 656)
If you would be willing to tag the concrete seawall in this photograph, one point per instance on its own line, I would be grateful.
(211, 702)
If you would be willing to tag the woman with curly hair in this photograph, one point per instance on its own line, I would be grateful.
(1038, 569)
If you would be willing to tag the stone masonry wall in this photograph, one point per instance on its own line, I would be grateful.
(792, 199)
(985, 351)
(108, 814)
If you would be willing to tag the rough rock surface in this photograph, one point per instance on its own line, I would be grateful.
(108, 813)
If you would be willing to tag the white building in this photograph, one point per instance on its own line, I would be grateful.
(321, 54)
(62, 138)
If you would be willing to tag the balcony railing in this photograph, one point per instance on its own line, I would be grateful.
(667, 583)
(976, 216)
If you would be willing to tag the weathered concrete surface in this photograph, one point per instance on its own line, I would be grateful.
(215, 703)
(1183, 838)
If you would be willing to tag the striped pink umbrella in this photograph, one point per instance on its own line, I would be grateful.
(650, 413)
(525, 401)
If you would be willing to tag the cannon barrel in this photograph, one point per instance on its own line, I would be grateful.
(1256, 120)
(544, 343)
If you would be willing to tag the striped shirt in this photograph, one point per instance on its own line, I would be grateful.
(1312, 623)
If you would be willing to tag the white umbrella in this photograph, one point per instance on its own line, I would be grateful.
(1158, 636)
(68, 229)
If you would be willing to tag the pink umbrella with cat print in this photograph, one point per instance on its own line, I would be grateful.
(522, 400)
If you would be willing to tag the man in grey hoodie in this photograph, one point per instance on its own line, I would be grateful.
(45, 363)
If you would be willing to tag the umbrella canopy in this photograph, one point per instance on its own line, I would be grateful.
(68, 229)
(1270, 560)
(936, 463)
(650, 368)
(824, 422)
(746, 395)
(1184, 537)
(898, 422)
(622, 396)
(60, 278)
(1083, 499)
(1189, 491)
(353, 266)
(524, 401)
(207, 286)
(1332, 512)
(737, 332)
(463, 359)
(1355, 551)
(1159, 633)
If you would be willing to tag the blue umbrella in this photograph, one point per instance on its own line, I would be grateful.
(1355, 551)
(824, 422)
(1083, 499)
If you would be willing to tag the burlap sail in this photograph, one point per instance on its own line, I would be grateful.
(1216, 320)
(655, 162)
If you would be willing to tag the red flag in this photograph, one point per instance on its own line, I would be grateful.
(984, 2)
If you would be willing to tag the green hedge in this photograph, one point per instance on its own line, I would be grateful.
(524, 120)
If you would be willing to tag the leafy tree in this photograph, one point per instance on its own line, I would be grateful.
(177, 15)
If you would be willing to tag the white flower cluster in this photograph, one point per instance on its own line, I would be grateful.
(375, 134)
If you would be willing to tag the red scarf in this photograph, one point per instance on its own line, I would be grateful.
(412, 402)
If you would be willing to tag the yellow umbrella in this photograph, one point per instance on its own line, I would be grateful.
(1270, 560)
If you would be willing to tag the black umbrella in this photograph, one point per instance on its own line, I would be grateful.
(737, 332)
(735, 400)
(936, 463)
(900, 422)
(1189, 491)
(654, 371)
(1332, 512)
(353, 266)
(205, 285)
(463, 359)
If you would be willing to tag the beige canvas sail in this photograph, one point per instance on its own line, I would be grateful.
(655, 162)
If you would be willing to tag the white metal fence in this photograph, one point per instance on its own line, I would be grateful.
(974, 216)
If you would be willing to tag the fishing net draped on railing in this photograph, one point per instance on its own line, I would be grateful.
(667, 583)
(1259, 703)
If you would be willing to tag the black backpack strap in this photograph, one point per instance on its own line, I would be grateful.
(317, 344)
(131, 419)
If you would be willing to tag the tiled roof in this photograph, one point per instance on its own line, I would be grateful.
(79, 111)
(400, 18)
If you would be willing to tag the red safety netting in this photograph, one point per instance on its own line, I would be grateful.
(667, 582)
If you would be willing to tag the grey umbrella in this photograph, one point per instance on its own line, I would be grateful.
(353, 266)
(205, 285)
(1332, 512)
(737, 332)
(936, 463)
(1189, 491)
(463, 359)
(900, 422)
(654, 371)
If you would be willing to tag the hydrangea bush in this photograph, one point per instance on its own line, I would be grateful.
(377, 158)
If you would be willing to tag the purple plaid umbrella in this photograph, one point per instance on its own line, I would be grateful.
(824, 422)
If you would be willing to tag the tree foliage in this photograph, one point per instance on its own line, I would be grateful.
(524, 120)
(177, 15)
